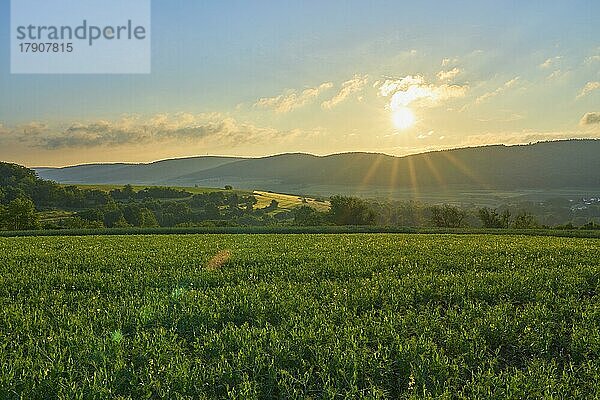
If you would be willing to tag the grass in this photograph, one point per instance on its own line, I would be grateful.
(288, 201)
(326, 229)
(299, 316)
(54, 215)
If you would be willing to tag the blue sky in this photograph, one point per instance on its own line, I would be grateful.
(483, 72)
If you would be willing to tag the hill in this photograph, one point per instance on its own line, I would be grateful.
(545, 165)
(155, 173)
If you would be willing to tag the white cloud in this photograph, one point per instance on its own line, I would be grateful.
(354, 85)
(415, 91)
(186, 127)
(389, 86)
(425, 135)
(550, 62)
(507, 85)
(512, 82)
(591, 118)
(588, 88)
(446, 62)
(291, 100)
(558, 74)
(449, 75)
(592, 59)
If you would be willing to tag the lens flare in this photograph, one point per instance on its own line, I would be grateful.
(403, 118)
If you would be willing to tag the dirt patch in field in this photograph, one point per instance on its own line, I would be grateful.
(218, 260)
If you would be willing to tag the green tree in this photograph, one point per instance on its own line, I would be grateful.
(148, 219)
(248, 202)
(308, 216)
(350, 211)
(491, 219)
(112, 217)
(273, 205)
(525, 220)
(505, 219)
(447, 216)
(20, 215)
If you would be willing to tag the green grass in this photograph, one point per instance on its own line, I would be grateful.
(324, 229)
(54, 215)
(300, 316)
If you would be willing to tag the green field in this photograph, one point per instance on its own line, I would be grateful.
(299, 316)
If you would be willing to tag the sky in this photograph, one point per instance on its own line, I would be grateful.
(255, 78)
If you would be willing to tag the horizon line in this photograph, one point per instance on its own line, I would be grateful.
(450, 148)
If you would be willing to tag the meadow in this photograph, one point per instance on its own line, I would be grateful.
(299, 316)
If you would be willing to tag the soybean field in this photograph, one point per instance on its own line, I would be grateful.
(332, 316)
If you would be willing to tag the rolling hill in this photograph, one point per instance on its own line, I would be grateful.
(155, 173)
(545, 165)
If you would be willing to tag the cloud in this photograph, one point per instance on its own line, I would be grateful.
(425, 135)
(291, 100)
(591, 118)
(558, 74)
(507, 85)
(592, 59)
(550, 62)
(588, 88)
(390, 86)
(449, 75)
(415, 91)
(449, 61)
(186, 127)
(356, 84)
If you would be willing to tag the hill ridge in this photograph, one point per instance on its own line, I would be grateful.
(550, 164)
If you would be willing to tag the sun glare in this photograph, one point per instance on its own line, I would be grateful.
(403, 118)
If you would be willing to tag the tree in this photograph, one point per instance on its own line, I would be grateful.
(273, 205)
(505, 219)
(248, 202)
(113, 217)
(126, 193)
(228, 187)
(20, 215)
(350, 211)
(308, 216)
(3, 217)
(447, 216)
(525, 220)
(148, 219)
(491, 219)
(92, 215)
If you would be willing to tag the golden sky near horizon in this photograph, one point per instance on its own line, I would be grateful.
(320, 78)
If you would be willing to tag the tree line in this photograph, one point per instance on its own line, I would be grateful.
(23, 196)
(347, 210)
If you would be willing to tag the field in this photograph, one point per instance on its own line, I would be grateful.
(299, 316)
(286, 201)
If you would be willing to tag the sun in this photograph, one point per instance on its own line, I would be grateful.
(403, 118)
